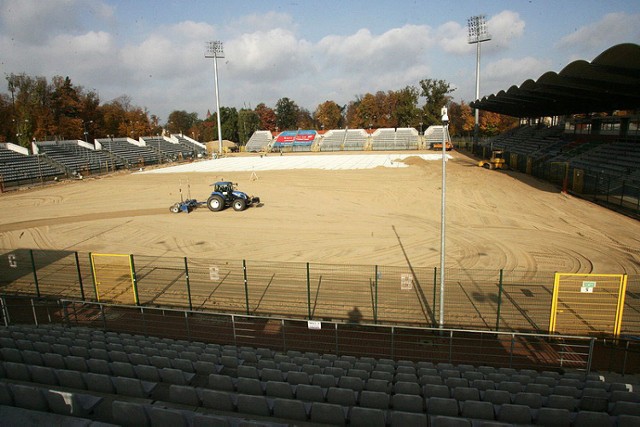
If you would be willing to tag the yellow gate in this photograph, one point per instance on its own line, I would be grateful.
(114, 276)
(587, 304)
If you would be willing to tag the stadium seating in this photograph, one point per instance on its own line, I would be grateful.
(141, 380)
(261, 140)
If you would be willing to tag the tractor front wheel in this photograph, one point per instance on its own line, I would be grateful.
(215, 203)
(175, 208)
(239, 204)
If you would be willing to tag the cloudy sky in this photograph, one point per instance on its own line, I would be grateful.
(308, 51)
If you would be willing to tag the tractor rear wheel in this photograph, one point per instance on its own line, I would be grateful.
(239, 204)
(487, 166)
(215, 203)
(175, 208)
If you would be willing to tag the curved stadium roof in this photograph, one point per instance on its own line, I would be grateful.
(610, 82)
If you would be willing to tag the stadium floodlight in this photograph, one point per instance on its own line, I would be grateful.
(445, 130)
(215, 51)
(478, 33)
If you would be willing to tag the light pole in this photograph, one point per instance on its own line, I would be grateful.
(86, 134)
(215, 51)
(445, 130)
(477, 26)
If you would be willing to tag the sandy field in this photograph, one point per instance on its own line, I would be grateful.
(385, 216)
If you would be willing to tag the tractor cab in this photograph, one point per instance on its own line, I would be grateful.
(497, 161)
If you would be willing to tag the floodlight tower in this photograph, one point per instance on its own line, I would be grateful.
(477, 26)
(215, 51)
(445, 134)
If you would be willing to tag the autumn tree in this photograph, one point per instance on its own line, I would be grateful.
(179, 121)
(461, 119)
(248, 123)
(328, 115)
(266, 116)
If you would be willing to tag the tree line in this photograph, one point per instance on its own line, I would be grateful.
(37, 109)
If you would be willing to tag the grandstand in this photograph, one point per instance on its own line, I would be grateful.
(17, 166)
(133, 153)
(300, 140)
(395, 139)
(78, 157)
(261, 140)
(168, 150)
(197, 148)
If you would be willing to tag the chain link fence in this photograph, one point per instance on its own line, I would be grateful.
(390, 295)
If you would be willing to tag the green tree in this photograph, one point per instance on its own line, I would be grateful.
(406, 108)
(437, 96)
(181, 121)
(286, 114)
(248, 123)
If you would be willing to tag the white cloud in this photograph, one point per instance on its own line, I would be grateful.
(613, 28)
(501, 74)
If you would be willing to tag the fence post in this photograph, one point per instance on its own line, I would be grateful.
(499, 301)
(375, 301)
(134, 280)
(513, 342)
(35, 273)
(246, 284)
(93, 277)
(435, 280)
(308, 292)
(79, 275)
(592, 342)
(186, 272)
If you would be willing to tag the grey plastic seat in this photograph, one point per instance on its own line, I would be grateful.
(221, 382)
(12, 354)
(218, 400)
(175, 376)
(265, 363)
(247, 372)
(374, 384)
(253, 405)
(442, 406)
(71, 379)
(289, 409)
(310, 393)
(407, 403)
(436, 390)
(279, 389)
(532, 400)
(431, 379)
(626, 396)
(353, 383)
(323, 380)
(592, 419)
(375, 399)
(98, 366)
(184, 365)
(268, 374)
(327, 413)
(28, 397)
(118, 356)
(510, 386)
(31, 357)
(341, 396)
(127, 413)
(593, 403)
(249, 386)
(53, 360)
(121, 369)
(562, 402)
(462, 394)
(99, 382)
(185, 395)
(497, 397)
(628, 421)
(311, 369)
(133, 387)
(334, 370)
(623, 407)
(160, 361)
(205, 368)
(406, 377)
(403, 419)
(382, 375)
(553, 417)
(147, 373)
(477, 409)
(514, 414)
(42, 375)
(367, 417)
(566, 390)
(16, 371)
(298, 377)
(405, 387)
(358, 373)
(541, 389)
(159, 416)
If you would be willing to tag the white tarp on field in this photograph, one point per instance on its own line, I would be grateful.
(286, 162)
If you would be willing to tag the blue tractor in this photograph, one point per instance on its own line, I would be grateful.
(225, 194)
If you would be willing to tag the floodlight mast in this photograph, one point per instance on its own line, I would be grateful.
(478, 33)
(215, 51)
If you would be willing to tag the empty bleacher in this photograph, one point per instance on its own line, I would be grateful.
(18, 167)
(78, 375)
(169, 151)
(78, 158)
(198, 149)
(395, 139)
(132, 153)
(261, 140)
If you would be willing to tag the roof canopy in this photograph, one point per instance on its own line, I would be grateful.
(610, 82)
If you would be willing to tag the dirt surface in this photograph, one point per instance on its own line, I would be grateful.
(385, 216)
